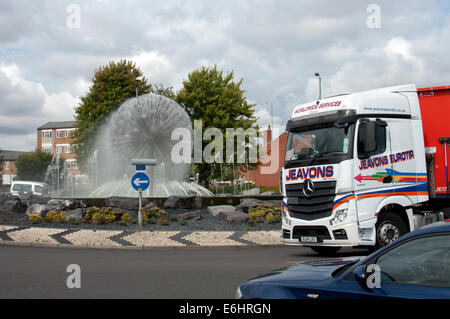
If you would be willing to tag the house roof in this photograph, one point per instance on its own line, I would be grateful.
(52, 125)
(11, 155)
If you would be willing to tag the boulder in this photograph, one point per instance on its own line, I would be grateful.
(247, 203)
(66, 204)
(252, 192)
(197, 202)
(235, 217)
(196, 215)
(75, 214)
(179, 202)
(125, 203)
(7, 196)
(31, 199)
(216, 210)
(38, 209)
(13, 206)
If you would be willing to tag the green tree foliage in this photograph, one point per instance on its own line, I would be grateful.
(1, 167)
(112, 84)
(164, 90)
(218, 101)
(33, 166)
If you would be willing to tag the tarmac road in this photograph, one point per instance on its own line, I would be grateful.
(186, 273)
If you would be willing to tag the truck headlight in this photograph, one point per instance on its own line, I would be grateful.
(339, 217)
(238, 293)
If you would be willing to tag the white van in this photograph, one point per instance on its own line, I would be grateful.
(22, 187)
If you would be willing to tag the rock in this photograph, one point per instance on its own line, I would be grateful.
(197, 202)
(125, 203)
(171, 202)
(247, 203)
(31, 199)
(190, 215)
(66, 204)
(38, 209)
(7, 196)
(216, 210)
(251, 192)
(235, 217)
(13, 206)
(268, 193)
(179, 202)
(75, 214)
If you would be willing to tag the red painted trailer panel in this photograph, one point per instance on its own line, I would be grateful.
(435, 111)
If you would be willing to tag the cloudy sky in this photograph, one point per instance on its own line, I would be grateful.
(48, 53)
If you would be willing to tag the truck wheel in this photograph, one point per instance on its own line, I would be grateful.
(326, 251)
(389, 228)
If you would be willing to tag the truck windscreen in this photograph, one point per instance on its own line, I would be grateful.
(323, 143)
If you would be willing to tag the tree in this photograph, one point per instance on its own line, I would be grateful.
(1, 167)
(218, 101)
(33, 166)
(167, 91)
(112, 85)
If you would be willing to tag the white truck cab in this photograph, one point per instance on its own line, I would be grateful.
(354, 169)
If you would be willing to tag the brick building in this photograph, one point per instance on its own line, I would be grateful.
(269, 147)
(8, 167)
(56, 138)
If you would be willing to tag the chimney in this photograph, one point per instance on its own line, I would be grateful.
(267, 136)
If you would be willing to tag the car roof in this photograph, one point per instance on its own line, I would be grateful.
(29, 182)
(437, 227)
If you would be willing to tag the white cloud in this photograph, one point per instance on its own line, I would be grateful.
(25, 105)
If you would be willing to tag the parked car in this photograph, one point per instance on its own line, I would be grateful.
(22, 187)
(417, 265)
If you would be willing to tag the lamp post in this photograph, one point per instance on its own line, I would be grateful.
(320, 85)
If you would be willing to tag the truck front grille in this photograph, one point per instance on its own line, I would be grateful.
(318, 205)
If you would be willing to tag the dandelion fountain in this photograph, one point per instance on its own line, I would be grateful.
(141, 128)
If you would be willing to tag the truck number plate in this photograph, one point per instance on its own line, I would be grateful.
(308, 239)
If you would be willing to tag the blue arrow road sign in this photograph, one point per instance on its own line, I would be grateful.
(140, 181)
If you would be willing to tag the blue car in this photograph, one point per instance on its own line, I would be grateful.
(416, 265)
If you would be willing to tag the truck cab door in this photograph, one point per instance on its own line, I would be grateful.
(371, 171)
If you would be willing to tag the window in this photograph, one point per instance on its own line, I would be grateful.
(7, 165)
(59, 149)
(381, 140)
(58, 134)
(67, 149)
(46, 134)
(75, 164)
(68, 133)
(46, 148)
(67, 165)
(423, 261)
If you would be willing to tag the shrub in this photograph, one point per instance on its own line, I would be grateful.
(165, 222)
(99, 219)
(152, 220)
(54, 216)
(126, 218)
(35, 219)
(247, 228)
(110, 218)
(273, 218)
(251, 223)
(182, 222)
(162, 219)
(73, 221)
(173, 218)
(86, 219)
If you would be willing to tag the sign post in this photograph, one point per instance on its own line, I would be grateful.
(141, 182)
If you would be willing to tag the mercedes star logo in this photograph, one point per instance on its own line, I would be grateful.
(308, 187)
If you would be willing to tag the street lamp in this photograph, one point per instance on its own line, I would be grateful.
(139, 78)
(320, 85)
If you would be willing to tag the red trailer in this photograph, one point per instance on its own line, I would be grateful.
(435, 111)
